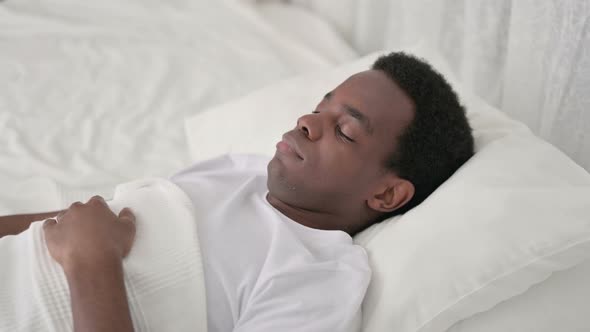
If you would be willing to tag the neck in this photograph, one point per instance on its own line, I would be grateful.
(310, 218)
(314, 218)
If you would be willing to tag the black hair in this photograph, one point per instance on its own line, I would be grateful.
(438, 140)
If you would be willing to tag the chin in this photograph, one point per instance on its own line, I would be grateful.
(278, 171)
(272, 170)
(275, 171)
(278, 181)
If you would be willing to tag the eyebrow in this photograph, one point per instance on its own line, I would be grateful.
(356, 114)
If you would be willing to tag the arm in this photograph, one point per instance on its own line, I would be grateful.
(90, 242)
(98, 297)
(12, 225)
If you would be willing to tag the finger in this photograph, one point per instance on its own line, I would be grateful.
(128, 225)
(97, 200)
(60, 215)
(76, 204)
(127, 219)
(127, 215)
(47, 224)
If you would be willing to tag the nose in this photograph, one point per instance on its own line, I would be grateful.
(309, 125)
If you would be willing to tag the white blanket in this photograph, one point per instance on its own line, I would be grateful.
(163, 272)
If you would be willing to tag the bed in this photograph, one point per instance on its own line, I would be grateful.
(96, 94)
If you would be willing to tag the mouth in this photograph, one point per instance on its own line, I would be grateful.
(289, 146)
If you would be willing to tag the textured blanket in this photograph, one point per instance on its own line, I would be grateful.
(163, 272)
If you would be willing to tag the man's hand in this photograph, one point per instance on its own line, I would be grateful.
(90, 242)
(88, 232)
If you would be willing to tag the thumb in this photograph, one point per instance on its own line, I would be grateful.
(127, 215)
(127, 219)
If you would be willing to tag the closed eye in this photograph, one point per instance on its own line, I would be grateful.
(340, 133)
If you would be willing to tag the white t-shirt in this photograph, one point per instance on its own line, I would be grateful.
(264, 271)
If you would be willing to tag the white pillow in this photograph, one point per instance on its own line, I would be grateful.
(513, 214)
(559, 303)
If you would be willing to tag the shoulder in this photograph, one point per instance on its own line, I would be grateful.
(234, 163)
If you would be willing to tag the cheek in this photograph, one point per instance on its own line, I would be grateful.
(338, 167)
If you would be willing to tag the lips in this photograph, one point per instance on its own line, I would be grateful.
(288, 144)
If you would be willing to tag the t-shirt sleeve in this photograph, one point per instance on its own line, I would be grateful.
(324, 298)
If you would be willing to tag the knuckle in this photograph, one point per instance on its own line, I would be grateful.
(127, 213)
(76, 204)
(97, 200)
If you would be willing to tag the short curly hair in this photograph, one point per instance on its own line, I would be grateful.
(438, 140)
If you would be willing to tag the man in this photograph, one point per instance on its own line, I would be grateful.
(277, 247)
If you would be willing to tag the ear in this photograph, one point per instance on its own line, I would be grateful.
(394, 193)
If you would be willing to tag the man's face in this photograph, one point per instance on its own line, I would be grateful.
(334, 159)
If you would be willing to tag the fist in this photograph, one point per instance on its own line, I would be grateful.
(89, 232)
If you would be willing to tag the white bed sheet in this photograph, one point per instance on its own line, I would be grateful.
(95, 93)
(309, 29)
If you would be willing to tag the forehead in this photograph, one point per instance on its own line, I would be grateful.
(374, 94)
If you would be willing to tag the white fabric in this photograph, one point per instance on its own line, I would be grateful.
(163, 272)
(318, 34)
(264, 271)
(529, 58)
(558, 304)
(492, 231)
(514, 214)
(94, 94)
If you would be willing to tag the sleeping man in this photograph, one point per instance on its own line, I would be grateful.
(276, 237)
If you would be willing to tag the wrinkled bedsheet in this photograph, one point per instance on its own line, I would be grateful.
(95, 93)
